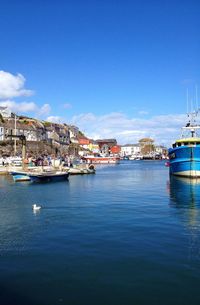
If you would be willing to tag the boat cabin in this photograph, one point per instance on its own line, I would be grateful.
(186, 142)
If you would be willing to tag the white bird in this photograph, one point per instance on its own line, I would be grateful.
(36, 207)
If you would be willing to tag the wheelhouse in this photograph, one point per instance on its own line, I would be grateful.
(187, 142)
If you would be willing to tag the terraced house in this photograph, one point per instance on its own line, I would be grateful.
(40, 135)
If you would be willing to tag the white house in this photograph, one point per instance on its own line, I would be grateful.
(5, 112)
(130, 149)
(28, 132)
(159, 149)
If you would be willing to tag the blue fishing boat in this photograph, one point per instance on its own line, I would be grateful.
(184, 156)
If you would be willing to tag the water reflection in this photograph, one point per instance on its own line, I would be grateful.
(185, 196)
(185, 192)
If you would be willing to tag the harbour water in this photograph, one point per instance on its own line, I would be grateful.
(128, 235)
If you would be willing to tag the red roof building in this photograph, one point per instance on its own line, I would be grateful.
(83, 141)
(115, 149)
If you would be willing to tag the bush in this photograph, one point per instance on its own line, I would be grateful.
(1, 118)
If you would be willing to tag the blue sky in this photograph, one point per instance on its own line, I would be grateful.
(113, 68)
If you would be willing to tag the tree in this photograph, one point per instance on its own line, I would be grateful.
(1, 118)
(81, 134)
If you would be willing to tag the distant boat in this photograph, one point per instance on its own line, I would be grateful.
(184, 156)
(101, 159)
(53, 176)
(124, 158)
(136, 157)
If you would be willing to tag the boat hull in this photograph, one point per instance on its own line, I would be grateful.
(185, 161)
(49, 177)
(20, 178)
(102, 160)
(78, 171)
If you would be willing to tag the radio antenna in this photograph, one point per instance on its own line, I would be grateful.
(187, 102)
(196, 97)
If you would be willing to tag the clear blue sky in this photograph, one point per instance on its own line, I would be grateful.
(131, 58)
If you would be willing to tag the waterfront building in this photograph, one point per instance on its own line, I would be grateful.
(115, 150)
(94, 147)
(160, 149)
(89, 145)
(73, 132)
(63, 133)
(105, 145)
(84, 142)
(130, 149)
(50, 132)
(146, 146)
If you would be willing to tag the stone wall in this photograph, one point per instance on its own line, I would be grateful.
(32, 148)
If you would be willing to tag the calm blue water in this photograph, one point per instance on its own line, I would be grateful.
(127, 235)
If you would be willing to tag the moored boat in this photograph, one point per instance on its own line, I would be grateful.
(184, 156)
(136, 157)
(101, 159)
(53, 176)
(82, 169)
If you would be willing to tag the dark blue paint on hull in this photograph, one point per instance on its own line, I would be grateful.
(49, 178)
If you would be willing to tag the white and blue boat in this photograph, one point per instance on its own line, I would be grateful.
(19, 176)
(184, 156)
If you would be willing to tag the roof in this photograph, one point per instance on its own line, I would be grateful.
(84, 141)
(144, 140)
(49, 128)
(106, 141)
(188, 140)
(131, 145)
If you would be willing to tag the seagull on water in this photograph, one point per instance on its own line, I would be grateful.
(36, 207)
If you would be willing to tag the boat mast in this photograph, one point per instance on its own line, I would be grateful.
(15, 143)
